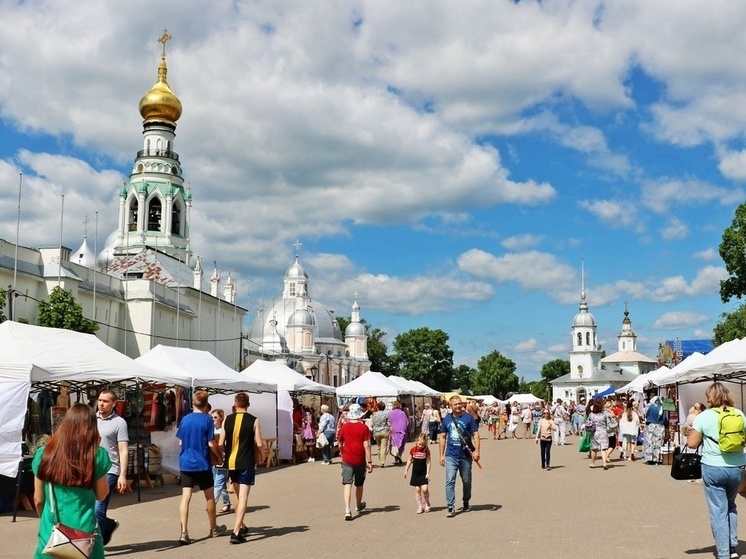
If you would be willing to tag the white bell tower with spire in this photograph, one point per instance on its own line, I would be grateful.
(585, 356)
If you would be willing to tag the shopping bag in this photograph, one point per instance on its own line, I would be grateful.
(686, 465)
(321, 441)
(585, 442)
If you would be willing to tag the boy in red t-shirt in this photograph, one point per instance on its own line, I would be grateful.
(354, 447)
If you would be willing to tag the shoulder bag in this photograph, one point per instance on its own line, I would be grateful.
(65, 542)
(686, 465)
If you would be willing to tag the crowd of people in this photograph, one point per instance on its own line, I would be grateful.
(86, 459)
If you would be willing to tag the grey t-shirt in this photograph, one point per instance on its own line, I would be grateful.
(113, 430)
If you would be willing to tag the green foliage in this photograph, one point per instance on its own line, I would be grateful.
(462, 376)
(377, 348)
(3, 300)
(550, 371)
(424, 355)
(61, 310)
(731, 326)
(495, 375)
(732, 252)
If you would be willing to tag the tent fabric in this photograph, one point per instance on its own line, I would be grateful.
(284, 377)
(13, 398)
(370, 384)
(39, 354)
(409, 386)
(201, 369)
(642, 381)
(608, 392)
(724, 360)
(670, 377)
(429, 391)
(523, 399)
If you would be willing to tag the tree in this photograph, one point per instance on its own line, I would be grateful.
(462, 376)
(423, 354)
(550, 371)
(3, 300)
(495, 375)
(377, 348)
(731, 326)
(732, 252)
(63, 311)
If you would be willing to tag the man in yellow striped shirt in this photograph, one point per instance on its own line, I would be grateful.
(241, 441)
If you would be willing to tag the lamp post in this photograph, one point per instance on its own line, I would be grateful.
(313, 371)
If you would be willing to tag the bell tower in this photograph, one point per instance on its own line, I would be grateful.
(155, 207)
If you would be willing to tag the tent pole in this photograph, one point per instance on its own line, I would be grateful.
(137, 442)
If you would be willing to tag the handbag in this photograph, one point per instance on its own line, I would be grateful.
(686, 465)
(585, 442)
(65, 542)
(321, 441)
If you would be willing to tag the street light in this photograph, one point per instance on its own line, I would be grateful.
(312, 372)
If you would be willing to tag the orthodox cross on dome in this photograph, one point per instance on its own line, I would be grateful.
(163, 39)
(626, 312)
(85, 226)
(297, 244)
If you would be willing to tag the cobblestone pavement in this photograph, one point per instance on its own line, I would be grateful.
(518, 510)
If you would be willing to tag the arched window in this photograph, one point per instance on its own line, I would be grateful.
(154, 215)
(580, 338)
(147, 147)
(132, 215)
(587, 338)
(176, 219)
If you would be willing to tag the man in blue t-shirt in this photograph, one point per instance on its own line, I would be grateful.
(196, 436)
(459, 445)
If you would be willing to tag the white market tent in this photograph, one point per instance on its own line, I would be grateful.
(641, 382)
(429, 391)
(523, 399)
(487, 399)
(33, 354)
(202, 369)
(723, 361)
(370, 384)
(408, 386)
(284, 377)
(670, 377)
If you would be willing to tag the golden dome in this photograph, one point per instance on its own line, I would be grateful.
(160, 103)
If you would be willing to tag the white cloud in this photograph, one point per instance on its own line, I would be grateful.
(732, 163)
(707, 254)
(527, 345)
(617, 214)
(676, 229)
(706, 282)
(665, 195)
(679, 320)
(521, 242)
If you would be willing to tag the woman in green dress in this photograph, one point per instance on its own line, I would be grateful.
(75, 466)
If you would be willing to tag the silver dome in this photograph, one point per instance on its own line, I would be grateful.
(296, 271)
(326, 329)
(584, 319)
(301, 317)
(355, 329)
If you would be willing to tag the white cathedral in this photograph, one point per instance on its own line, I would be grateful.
(589, 372)
(306, 335)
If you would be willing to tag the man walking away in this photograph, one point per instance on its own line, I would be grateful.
(559, 414)
(459, 445)
(354, 447)
(241, 439)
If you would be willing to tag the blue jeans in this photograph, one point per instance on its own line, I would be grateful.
(326, 451)
(221, 490)
(463, 467)
(106, 525)
(721, 488)
(546, 452)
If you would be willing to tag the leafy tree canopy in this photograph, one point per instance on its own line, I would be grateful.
(555, 369)
(424, 355)
(462, 376)
(732, 252)
(61, 310)
(731, 326)
(495, 375)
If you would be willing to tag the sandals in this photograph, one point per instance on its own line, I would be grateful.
(225, 510)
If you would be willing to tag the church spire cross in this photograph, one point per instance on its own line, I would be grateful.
(297, 244)
(163, 39)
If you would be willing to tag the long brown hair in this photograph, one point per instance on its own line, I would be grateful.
(629, 410)
(70, 454)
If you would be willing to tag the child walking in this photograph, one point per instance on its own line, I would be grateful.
(419, 459)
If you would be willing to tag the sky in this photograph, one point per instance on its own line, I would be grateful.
(455, 164)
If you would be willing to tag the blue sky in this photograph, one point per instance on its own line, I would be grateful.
(452, 163)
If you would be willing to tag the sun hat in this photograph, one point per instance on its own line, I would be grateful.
(355, 412)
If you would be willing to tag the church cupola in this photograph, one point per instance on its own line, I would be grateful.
(356, 336)
(215, 282)
(627, 338)
(296, 277)
(154, 207)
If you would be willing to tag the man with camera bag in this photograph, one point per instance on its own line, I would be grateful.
(459, 446)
